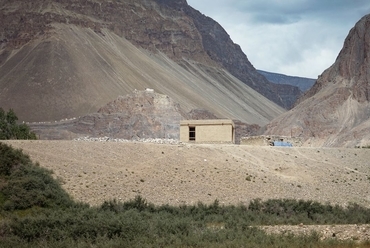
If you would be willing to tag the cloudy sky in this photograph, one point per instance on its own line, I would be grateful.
(293, 37)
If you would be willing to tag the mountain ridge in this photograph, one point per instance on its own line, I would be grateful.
(303, 83)
(60, 54)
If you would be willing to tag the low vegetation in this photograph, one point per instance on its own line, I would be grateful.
(9, 129)
(36, 212)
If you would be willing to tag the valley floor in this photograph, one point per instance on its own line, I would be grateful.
(93, 172)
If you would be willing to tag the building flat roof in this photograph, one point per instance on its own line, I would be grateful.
(206, 122)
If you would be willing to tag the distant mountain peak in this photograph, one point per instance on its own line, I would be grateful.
(302, 83)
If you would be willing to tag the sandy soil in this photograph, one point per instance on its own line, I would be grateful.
(187, 173)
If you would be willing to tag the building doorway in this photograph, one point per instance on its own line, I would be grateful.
(191, 133)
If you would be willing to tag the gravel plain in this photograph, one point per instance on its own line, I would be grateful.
(178, 173)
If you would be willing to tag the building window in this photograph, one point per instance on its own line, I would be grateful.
(192, 133)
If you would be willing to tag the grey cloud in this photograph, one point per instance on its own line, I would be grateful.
(275, 18)
(290, 11)
(300, 37)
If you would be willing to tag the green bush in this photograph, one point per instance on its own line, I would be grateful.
(9, 129)
(113, 225)
(11, 159)
(291, 211)
(26, 185)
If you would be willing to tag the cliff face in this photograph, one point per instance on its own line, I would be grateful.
(67, 58)
(351, 68)
(336, 110)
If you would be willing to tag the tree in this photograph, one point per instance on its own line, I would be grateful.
(11, 118)
(9, 129)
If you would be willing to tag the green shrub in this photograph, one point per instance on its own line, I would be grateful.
(27, 185)
(9, 129)
(291, 211)
(11, 159)
(113, 225)
(139, 203)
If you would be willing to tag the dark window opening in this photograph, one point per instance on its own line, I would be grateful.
(192, 133)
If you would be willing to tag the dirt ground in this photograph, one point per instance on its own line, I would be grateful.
(187, 173)
(92, 172)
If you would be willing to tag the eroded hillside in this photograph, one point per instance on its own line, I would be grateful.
(63, 59)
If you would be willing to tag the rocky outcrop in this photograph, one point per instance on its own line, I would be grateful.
(140, 115)
(336, 110)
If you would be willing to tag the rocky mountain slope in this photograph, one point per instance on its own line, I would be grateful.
(302, 83)
(136, 116)
(282, 84)
(140, 115)
(336, 110)
(63, 59)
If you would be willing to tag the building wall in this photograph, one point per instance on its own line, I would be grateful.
(184, 133)
(215, 133)
(208, 132)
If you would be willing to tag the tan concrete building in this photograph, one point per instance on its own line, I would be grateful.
(207, 131)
